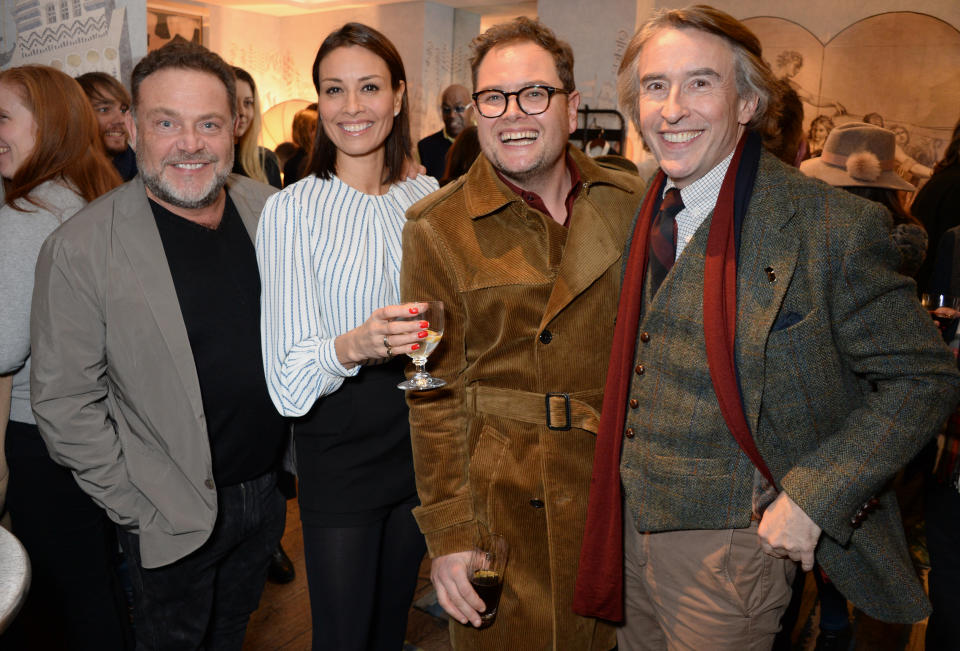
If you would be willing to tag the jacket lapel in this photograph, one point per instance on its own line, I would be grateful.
(768, 259)
(137, 234)
(247, 206)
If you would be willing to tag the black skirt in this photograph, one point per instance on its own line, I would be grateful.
(354, 460)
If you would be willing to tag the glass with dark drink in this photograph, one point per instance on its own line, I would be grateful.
(487, 566)
(943, 310)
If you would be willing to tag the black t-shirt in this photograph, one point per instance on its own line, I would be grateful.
(218, 286)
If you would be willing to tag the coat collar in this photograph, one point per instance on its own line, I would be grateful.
(485, 193)
(137, 233)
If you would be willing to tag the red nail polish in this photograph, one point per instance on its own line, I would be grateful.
(414, 310)
(424, 324)
(422, 334)
(415, 347)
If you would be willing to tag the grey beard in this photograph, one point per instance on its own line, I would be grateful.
(160, 191)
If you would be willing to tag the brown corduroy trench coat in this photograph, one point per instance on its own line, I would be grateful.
(529, 309)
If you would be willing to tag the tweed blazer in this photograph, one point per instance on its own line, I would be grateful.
(113, 385)
(843, 375)
(529, 306)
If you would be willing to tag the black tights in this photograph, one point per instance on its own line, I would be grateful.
(362, 579)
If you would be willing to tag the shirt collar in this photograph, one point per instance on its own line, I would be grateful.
(535, 201)
(700, 197)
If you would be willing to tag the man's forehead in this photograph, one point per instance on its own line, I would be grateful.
(518, 61)
(687, 49)
(456, 95)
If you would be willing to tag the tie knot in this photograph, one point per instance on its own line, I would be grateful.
(672, 203)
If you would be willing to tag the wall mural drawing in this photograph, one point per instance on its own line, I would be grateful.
(900, 70)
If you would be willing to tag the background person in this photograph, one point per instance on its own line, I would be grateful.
(55, 164)
(249, 158)
(111, 101)
(455, 108)
(329, 254)
(462, 154)
(304, 133)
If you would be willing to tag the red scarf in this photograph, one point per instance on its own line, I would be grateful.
(599, 588)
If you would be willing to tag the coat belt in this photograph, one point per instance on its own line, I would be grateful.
(558, 411)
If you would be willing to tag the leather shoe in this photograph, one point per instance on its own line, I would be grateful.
(281, 567)
(834, 640)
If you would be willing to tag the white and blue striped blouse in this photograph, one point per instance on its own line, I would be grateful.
(329, 255)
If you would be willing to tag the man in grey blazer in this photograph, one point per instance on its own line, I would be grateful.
(770, 370)
(147, 379)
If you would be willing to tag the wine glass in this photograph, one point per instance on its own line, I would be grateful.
(944, 311)
(421, 380)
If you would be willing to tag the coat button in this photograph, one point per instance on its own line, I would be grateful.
(209, 484)
(629, 433)
(644, 337)
(634, 403)
(536, 503)
(639, 370)
(546, 337)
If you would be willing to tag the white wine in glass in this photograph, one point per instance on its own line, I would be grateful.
(421, 380)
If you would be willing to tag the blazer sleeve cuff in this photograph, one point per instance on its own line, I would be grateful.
(448, 526)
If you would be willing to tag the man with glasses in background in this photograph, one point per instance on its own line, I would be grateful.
(455, 110)
(524, 250)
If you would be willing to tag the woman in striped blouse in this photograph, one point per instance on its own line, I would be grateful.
(329, 254)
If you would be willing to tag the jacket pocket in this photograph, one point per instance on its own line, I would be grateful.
(486, 462)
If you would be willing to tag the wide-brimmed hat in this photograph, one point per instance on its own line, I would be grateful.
(859, 154)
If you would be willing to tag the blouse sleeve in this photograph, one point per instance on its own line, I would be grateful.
(299, 358)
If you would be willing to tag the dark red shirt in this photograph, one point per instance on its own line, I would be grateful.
(534, 200)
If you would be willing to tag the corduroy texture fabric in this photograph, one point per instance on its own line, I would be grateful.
(843, 376)
(529, 306)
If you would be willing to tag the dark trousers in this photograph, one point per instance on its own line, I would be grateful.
(942, 505)
(362, 579)
(75, 599)
(204, 600)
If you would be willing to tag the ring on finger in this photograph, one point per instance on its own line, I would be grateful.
(386, 345)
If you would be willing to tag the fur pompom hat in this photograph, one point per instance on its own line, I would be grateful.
(858, 154)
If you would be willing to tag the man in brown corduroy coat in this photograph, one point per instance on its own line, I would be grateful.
(524, 250)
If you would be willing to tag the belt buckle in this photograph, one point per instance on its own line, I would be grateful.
(566, 402)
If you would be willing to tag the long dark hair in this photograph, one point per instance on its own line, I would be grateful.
(887, 198)
(397, 146)
(951, 156)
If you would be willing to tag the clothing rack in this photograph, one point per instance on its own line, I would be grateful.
(607, 124)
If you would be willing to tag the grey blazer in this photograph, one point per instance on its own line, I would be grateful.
(113, 384)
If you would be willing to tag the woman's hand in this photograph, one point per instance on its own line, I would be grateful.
(382, 335)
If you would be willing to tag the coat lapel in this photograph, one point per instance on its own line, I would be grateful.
(137, 233)
(768, 259)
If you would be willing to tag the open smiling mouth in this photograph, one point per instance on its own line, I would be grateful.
(4, 150)
(519, 137)
(356, 128)
(681, 137)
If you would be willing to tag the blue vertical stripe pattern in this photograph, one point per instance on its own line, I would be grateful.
(329, 255)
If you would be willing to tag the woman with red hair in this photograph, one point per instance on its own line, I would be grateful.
(52, 156)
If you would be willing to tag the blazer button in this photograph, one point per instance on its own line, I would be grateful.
(639, 370)
(634, 403)
(546, 337)
(644, 337)
(536, 503)
(629, 433)
(209, 484)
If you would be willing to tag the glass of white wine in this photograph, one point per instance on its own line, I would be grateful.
(421, 380)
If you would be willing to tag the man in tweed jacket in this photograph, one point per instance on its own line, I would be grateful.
(839, 376)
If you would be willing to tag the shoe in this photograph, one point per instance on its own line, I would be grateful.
(281, 567)
(834, 640)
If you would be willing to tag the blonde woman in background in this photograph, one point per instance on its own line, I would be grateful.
(249, 158)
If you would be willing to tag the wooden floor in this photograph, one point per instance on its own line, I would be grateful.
(283, 619)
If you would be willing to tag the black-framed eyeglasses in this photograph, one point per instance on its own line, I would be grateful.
(453, 109)
(532, 100)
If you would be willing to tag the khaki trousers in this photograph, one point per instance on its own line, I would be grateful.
(701, 590)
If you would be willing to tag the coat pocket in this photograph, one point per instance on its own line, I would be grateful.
(486, 462)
